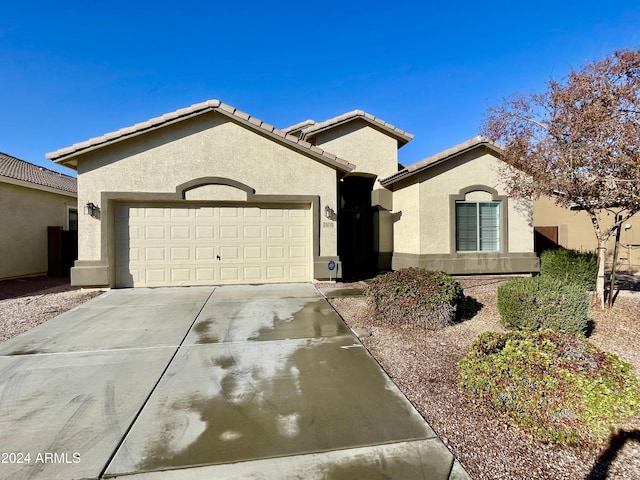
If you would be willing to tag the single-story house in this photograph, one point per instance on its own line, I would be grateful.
(32, 198)
(210, 195)
(557, 226)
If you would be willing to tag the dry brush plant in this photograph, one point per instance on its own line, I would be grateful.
(578, 143)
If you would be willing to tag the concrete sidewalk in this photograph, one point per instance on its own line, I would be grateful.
(186, 383)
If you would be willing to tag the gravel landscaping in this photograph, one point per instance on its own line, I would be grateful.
(423, 365)
(28, 302)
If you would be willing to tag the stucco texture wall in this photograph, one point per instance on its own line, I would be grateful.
(575, 231)
(424, 207)
(24, 217)
(369, 149)
(204, 146)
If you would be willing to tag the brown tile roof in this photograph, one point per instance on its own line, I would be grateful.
(298, 128)
(17, 169)
(314, 128)
(65, 154)
(438, 158)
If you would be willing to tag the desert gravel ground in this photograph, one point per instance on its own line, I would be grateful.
(423, 365)
(28, 302)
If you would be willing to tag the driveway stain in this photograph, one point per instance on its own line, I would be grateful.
(315, 319)
(344, 292)
(24, 351)
(308, 399)
(204, 332)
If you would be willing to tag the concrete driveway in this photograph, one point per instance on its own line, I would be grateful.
(233, 382)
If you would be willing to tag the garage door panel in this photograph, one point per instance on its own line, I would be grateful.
(182, 275)
(297, 232)
(298, 251)
(252, 253)
(179, 212)
(276, 273)
(275, 252)
(154, 232)
(298, 273)
(205, 212)
(229, 253)
(228, 212)
(275, 213)
(204, 232)
(206, 275)
(154, 212)
(205, 253)
(252, 274)
(180, 253)
(275, 232)
(229, 232)
(229, 274)
(156, 276)
(253, 232)
(204, 245)
(181, 232)
(154, 254)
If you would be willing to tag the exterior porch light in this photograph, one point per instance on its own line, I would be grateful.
(90, 209)
(328, 212)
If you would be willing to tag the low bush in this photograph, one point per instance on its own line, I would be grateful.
(415, 295)
(572, 266)
(543, 302)
(555, 386)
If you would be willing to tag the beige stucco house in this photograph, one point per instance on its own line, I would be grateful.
(32, 198)
(211, 195)
(451, 213)
(564, 227)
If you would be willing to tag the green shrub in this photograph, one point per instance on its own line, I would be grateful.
(429, 298)
(543, 302)
(555, 386)
(572, 266)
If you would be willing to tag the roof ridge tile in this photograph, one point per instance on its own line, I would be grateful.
(197, 108)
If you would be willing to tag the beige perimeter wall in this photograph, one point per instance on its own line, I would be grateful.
(575, 231)
(25, 214)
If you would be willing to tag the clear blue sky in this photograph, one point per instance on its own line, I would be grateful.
(72, 70)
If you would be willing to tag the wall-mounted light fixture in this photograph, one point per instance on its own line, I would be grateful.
(90, 209)
(328, 212)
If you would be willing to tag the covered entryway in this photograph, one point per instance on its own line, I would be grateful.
(355, 228)
(172, 245)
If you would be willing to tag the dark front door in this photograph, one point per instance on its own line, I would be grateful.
(355, 228)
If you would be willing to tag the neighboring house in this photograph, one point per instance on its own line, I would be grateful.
(32, 198)
(211, 195)
(557, 226)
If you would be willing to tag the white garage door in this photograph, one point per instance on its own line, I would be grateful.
(205, 245)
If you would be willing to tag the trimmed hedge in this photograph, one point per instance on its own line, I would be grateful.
(543, 302)
(572, 266)
(416, 295)
(555, 386)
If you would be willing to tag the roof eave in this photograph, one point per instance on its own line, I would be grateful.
(401, 136)
(417, 168)
(37, 186)
(68, 156)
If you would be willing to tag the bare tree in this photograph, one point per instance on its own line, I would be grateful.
(579, 143)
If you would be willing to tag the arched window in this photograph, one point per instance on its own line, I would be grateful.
(479, 215)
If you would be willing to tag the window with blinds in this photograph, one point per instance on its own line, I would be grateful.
(478, 226)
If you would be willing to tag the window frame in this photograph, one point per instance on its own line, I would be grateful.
(69, 210)
(503, 228)
(478, 226)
